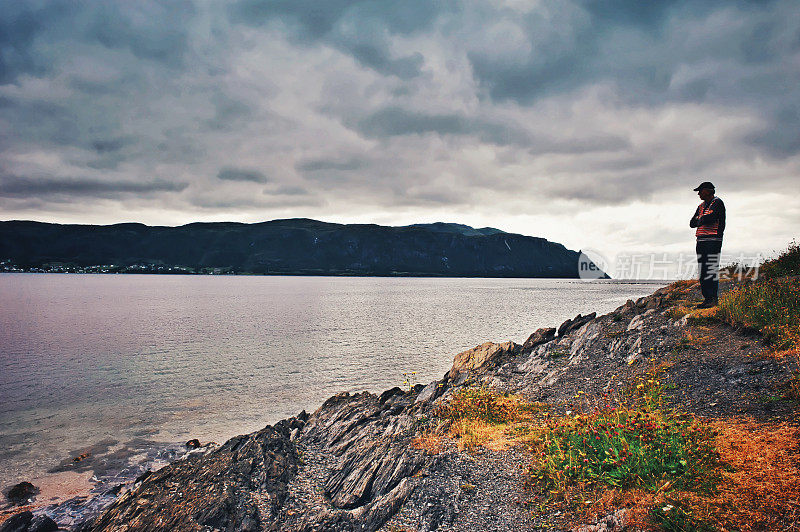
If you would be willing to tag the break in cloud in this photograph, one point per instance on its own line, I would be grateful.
(584, 121)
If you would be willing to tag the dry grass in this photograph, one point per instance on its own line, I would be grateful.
(680, 309)
(762, 489)
(482, 417)
(758, 491)
(683, 286)
(472, 433)
(692, 340)
(429, 442)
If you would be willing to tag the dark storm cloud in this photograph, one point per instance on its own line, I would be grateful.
(316, 165)
(241, 174)
(108, 145)
(19, 24)
(287, 190)
(626, 43)
(326, 22)
(653, 53)
(634, 12)
(259, 203)
(21, 187)
(392, 103)
(150, 30)
(229, 112)
(395, 121)
(782, 137)
(578, 145)
(378, 59)
(315, 20)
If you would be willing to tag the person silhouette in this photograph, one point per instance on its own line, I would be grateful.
(709, 219)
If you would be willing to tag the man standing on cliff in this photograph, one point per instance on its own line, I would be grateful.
(709, 219)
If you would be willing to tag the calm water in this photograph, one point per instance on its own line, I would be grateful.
(92, 358)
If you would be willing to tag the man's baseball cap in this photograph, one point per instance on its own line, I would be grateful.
(705, 184)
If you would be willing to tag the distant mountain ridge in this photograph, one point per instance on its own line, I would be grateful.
(298, 246)
(443, 227)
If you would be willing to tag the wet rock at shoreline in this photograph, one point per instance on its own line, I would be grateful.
(22, 493)
(17, 523)
(26, 522)
(42, 524)
(232, 487)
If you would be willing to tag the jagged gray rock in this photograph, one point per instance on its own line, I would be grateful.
(238, 486)
(575, 323)
(42, 523)
(541, 336)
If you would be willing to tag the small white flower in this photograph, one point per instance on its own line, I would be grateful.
(667, 508)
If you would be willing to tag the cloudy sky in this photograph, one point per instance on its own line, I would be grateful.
(587, 122)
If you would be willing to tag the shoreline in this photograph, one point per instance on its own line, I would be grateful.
(358, 460)
(431, 357)
(92, 478)
(90, 497)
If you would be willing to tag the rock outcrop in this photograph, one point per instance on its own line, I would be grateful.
(482, 358)
(238, 486)
(26, 522)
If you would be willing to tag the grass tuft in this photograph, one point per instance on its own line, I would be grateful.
(480, 416)
(690, 340)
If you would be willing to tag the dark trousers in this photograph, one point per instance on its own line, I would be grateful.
(708, 262)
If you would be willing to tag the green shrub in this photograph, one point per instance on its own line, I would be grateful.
(645, 446)
(771, 306)
(786, 264)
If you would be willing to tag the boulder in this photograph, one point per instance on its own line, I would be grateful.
(478, 357)
(193, 444)
(428, 393)
(17, 523)
(654, 302)
(42, 524)
(22, 493)
(541, 336)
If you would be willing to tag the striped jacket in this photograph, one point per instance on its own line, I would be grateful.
(709, 219)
